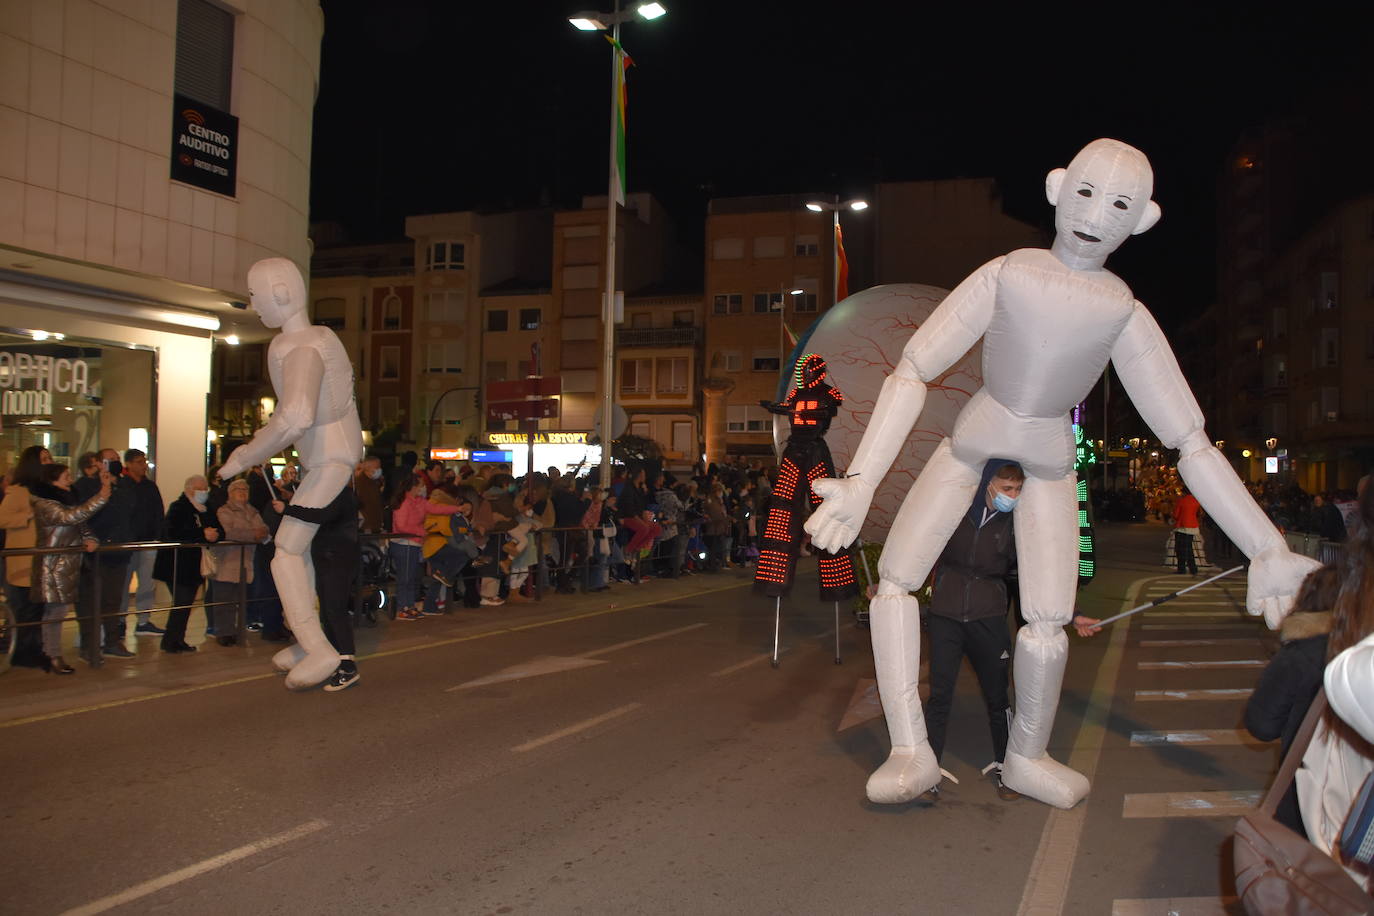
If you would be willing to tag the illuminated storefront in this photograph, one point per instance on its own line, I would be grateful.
(567, 451)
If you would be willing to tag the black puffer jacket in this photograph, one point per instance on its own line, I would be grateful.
(971, 576)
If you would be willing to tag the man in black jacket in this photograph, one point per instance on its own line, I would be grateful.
(968, 612)
(105, 572)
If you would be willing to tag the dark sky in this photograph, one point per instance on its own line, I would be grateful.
(435, 105)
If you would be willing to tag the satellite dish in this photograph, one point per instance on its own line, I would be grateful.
(620, 421)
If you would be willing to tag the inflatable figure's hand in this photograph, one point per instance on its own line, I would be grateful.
(235, 466)
(836, 523)
(1275, 575)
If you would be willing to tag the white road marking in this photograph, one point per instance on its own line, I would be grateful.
(1226, 736)
(1162, 643)
(740, 666)
(1228, 614)
(1191, 804)
(544, 664)
(1247, 623)
(643, 639)
(574, 729)
(1220, 693)
(1175, 906)
(1216, 663)
(139, 891)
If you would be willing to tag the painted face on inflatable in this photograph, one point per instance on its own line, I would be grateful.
(276, 289)
(810, 371)
(1101, 199)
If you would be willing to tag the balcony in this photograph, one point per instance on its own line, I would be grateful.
(657, 337)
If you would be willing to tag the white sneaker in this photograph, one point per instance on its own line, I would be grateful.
(492, 602)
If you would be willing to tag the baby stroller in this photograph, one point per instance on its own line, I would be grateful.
(374, 574)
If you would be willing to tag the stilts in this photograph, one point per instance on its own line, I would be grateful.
(777, 627)
(837, 633)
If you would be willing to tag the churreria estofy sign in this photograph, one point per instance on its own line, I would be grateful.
(204, 146)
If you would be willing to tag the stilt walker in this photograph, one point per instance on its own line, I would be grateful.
(809, 407)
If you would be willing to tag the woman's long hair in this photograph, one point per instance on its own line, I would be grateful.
(1353, 616)
(29, 471)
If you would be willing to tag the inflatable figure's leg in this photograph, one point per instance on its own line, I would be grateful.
(928, 516)
(1047, 554)
(294, 573)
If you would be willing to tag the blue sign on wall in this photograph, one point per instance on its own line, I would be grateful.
(496, 457)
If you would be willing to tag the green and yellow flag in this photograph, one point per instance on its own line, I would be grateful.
(622, 61)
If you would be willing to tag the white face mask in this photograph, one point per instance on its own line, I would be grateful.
(375, 473)
(201, 497)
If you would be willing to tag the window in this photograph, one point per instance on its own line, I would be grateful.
(445, 356)
(642, 429)
(807, 246)
(529, 319)
(685, 318)
(524, 368)
(1327, 297)
(391, 313)
(330, 313)
(233, 409)
(498, 320)
(496, 370)
(767, 302)
(444, 256)
(747, 419)
(233, 366)
(734, 360)
(1330, 353)
(389, 410)
(727, 249)
(672, 375)
(635, 376)
(682, 437)
(727, 304)
(768, 246)
(448, 306)
(391, 363)
(1331, 404)
(205, 52)
(806, 302)
(252, 366)
(767, 360)
(642, 320)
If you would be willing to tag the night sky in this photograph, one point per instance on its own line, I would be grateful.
(436, 105)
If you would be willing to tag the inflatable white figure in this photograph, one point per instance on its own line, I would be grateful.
(1050, 321)
(313, 379)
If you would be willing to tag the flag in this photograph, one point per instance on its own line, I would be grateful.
(790, 336)
(841, 267)
(622, 60)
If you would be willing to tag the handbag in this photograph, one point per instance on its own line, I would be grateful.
(1278, 871)
(208, 564)
(1357, 836)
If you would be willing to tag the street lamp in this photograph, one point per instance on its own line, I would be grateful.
(590, 21)
(821, 206)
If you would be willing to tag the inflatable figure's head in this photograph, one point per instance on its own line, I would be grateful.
(276, 289)
(810, 371)
(1101, 199)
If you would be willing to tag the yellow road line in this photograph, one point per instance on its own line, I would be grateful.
(47, 717)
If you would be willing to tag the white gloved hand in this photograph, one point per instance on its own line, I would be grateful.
(836, 522)
(234, 465)
(1275, 575)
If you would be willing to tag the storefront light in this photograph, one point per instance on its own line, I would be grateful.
(232, 340)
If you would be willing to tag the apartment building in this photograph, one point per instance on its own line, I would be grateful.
(658, 366)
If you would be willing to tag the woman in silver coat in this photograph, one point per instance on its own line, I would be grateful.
(59, 523)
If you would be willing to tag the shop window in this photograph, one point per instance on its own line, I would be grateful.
(728, 304)
(444, 356)
(635, 376)
(329, 313)
(672, 375)
(498, 320)
(445, 256)
(448, 306)
(391, 313)
(529, 319)
(205, 52)
(391, 363)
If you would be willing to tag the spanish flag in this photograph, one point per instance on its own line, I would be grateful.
(622, 61)
(841, 268)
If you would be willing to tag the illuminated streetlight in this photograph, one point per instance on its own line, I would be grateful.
(820, 206)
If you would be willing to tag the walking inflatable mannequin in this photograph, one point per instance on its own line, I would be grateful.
(1049, 321)
(313, 379)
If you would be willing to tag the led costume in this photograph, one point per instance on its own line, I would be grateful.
(313, 379)
(1050, 321)
(809, 407)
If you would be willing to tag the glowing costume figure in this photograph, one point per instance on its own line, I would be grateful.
(809, 407)
(1050, 321)
(313, 379)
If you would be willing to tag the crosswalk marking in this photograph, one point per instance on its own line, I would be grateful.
(1234, 737)
(1225, 803)
(1214, 663)
(1175, 906)
(1219, 693)
(1247, 623)
(1226, 614)
(1170, 643)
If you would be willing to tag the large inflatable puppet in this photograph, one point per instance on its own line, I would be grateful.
(1049, 322)
(313, 379)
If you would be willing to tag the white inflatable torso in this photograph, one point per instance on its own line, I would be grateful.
(336, 436)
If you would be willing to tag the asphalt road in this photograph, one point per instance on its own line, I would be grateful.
(630, 754)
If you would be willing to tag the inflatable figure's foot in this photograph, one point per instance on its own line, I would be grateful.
(288, 658)
(908, 772)
(1044, 779)
(312, 669)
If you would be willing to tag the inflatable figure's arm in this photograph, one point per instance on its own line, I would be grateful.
(776, 406)
(1350, 686)
(950, 331)
(1148, 369)
(302, 375)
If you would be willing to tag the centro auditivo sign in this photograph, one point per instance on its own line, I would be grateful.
(48, 375)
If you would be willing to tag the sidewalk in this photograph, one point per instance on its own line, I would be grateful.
(26, 693)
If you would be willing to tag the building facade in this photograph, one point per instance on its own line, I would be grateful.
(149, 154)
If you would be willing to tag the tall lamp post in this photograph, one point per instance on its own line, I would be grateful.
(821, 206)
(590, 21)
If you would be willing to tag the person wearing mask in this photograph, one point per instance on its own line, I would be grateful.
(234, 564)
(106, 573)
(187, 522)
(968, 613)
(367, 485)
(16, 518)
(144, 525)
(60, 520)
(408, 510)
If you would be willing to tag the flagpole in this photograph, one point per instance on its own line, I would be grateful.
(608, 308)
